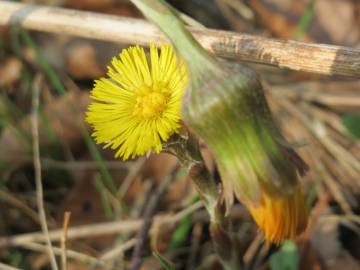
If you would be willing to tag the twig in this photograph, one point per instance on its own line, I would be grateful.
(148, 219)
(82, 165)
(320, 93)
(253, 249)
(132, 173)
(118, 250)
(70, 253)
(7, 197)
(299, 56)
(93, 230)
(37, 168)
(171, 219)
(64, 240)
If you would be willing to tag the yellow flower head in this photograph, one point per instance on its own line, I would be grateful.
(137, 108)
(281, 218)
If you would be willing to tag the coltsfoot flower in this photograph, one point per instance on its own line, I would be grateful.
(225, 105)
(137, 108)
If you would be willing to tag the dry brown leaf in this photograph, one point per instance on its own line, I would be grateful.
(337, 19)
(10, 71)
(82, 62)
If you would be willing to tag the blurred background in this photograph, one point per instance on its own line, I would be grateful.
(111, 198)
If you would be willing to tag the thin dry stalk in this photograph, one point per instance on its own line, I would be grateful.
(334, 94)
(67, 216)
(93, 230)
(253, 249)
(132, 173)
(82, 165)
(333, 187)
(12, 200)
(37, 168)
(118, 250)
(148, 219)
(74, 255)
(294, 55)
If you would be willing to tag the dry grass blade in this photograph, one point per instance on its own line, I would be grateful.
(12, 200)
(148, 219)
(106, 228)
(74, 255)
(64, 240)
(37, 166)
(133, 171)
(118, 250)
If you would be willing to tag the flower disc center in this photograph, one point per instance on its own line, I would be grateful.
(150, 101)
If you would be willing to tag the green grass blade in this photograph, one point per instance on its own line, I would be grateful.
(305, 19)
(181, 233)
(163, 261)
(109, 213)
(45, 66)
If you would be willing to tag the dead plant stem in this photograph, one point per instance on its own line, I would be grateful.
(294, 55)
(74, 255)
(37, 168)
(93, 230)
(148, 220)
(64, 240)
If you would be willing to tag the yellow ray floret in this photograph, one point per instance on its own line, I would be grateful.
(137, 108)
(281, 218)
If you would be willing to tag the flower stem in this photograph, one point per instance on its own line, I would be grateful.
(188, 153)
(167, 19)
